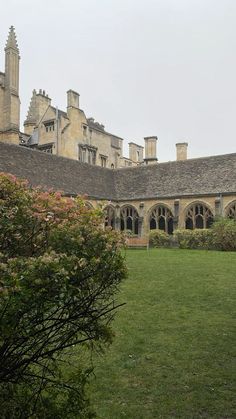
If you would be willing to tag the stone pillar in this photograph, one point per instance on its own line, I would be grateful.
(141, 220)
(117, 218)
(117, 223)
(140, 226)
(176, 215)
(218, 207)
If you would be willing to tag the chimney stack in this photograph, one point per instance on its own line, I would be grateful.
(72, 99)
(150, 150)
(181, 151)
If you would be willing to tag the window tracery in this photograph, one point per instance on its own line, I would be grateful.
(129, 219)
(198, 216)
(161, 218)
(231, 211)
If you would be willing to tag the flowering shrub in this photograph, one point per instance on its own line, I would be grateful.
(194, 239)
(224, 234)
(59, 273)
(159, 238)
(221, 236)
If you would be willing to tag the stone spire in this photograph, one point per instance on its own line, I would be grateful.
(12, 59)
(11, 100)
(11, 40)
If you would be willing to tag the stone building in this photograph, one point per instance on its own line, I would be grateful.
(70, 134)
(82, 158)
(179, 194)
(63, 133)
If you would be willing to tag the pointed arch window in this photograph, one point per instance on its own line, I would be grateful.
(129, 219)
(161, 218)
(198, 216)
(231, 211)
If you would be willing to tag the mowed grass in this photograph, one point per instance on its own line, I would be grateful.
(173, 355)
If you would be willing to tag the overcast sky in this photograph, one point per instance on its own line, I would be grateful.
(142, 67)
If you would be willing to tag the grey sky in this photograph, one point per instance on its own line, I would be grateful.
(153, 67)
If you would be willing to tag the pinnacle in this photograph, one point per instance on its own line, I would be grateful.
(11, 41)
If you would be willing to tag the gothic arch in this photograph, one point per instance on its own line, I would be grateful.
(161, 217)
(230, 211)
(109, 212)
(198, 215)
(129, 219)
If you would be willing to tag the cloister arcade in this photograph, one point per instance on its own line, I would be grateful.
(140, 221)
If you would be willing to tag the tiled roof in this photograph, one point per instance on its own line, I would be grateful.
(194, 177)
(202, 176)
(59, 173)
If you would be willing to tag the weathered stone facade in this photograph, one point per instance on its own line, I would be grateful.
(80, 155)
(63, 133)
(70, 134)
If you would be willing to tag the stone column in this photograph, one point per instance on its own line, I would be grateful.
(141, 220)
(117, 218)
(140, 226)
(218, 207)
(176, 215)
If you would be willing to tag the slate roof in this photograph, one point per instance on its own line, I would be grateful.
(59, 173)
(201, 176)
(194, 177)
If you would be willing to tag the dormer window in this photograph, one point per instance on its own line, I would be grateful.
(49, 126)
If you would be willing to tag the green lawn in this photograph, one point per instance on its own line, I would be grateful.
(174, 346)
